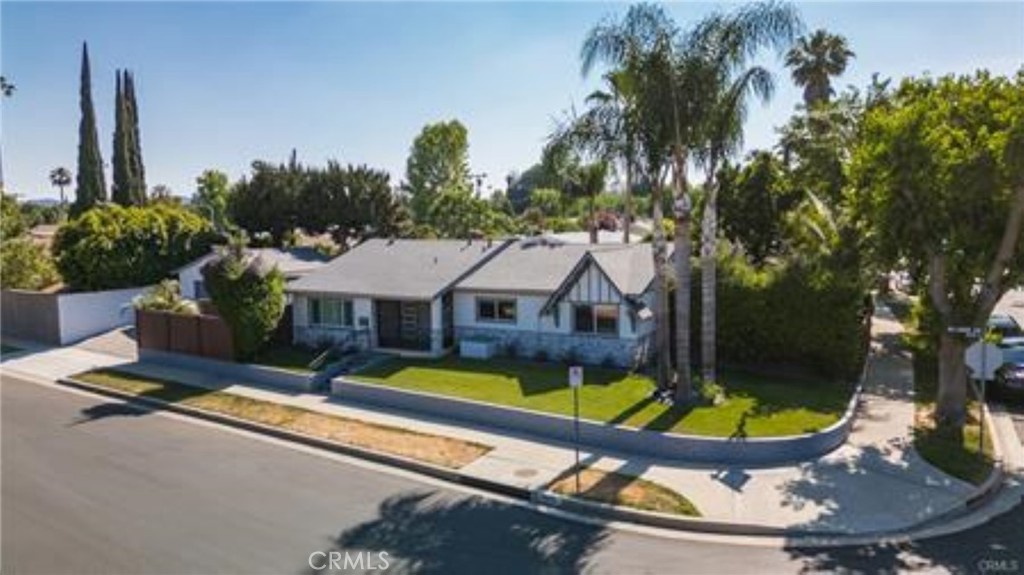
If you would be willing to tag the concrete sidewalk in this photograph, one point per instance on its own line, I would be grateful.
(875, 482)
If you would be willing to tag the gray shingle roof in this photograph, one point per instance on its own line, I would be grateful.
(292, 261)
(402, 269)
(535, 265)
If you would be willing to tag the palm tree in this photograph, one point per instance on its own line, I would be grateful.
(60, 177)
(814, 61)
(720, 48)
(6, 91)
(642, 44)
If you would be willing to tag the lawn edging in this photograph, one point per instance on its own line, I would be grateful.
(598, 435)
(405, 463)
(264, 375)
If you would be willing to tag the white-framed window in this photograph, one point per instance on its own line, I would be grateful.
(599, 319)
(330, 312)
(496, 310)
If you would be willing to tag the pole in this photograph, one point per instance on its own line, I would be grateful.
(576, 432)
(981, 415)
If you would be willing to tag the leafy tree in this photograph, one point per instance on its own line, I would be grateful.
(91, 187)
(248, 294)
(60, 178)
(351, 203)
(267, 201)
(938, 171)
(23, 264)
(211, 198)
(113, 247)
(458, 213)
(752, 201)
(438, 162)
(814, 61)
(547, 201)
(161, 193)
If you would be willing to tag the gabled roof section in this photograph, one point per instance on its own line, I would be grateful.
(537, 265)
(399, 269)
(291, 261)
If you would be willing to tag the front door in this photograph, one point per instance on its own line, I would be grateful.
(403, 324)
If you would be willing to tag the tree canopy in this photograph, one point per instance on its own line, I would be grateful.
(438, 162)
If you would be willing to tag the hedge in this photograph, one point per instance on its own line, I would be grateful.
(789, 315)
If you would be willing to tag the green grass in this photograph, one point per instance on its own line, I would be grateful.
(955, 452)
(754, 406)
(287, 357)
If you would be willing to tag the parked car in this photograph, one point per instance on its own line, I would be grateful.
(1009, 379)
(1004, 325)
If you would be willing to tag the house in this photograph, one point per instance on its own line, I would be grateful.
(531, 297)
(388, 294)
(541, 296)
(293, 263)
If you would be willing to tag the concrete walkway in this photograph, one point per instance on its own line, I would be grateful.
(875, 482)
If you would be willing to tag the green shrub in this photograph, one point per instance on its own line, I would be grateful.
(248, 295)
(112, 247)
(25, 265)
(787, 315)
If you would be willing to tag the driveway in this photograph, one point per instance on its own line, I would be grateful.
(118, 342)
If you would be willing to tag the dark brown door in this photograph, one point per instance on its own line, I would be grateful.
(389, 324)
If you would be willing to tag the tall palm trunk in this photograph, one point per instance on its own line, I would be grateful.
(709, 272)
(661, 324)
(683, 248)
(627, 200)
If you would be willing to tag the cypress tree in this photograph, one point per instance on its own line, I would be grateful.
(136, 167)
(120, 191)
(90, 184)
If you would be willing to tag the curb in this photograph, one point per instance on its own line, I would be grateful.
(398, 461)
(543, 500)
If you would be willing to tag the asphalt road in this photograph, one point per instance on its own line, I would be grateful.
(91, 486)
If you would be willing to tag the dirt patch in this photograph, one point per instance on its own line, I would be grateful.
(626, 490)
(434, 449)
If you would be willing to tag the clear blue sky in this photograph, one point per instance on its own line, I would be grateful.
(220, 85)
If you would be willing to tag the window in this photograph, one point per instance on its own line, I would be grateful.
(330, 312)
(503, 310)
(199, 287)
(602, 319)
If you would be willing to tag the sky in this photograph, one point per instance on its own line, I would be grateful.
(220, 85)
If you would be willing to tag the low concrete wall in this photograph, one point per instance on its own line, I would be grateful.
(65, 318)
(243, 372)
(748, 451)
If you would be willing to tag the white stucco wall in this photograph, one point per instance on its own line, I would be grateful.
(187, 277)
(87, 314)
(527, 313)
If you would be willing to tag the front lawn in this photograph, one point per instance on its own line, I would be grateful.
(754, 406)
(288, 357)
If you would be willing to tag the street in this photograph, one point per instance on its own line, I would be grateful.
(94, 486)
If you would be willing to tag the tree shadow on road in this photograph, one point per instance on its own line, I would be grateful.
(427, 533)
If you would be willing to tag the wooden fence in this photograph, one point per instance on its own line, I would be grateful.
(204, 335)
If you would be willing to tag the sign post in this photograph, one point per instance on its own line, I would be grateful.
(575, 382)
(983, 359)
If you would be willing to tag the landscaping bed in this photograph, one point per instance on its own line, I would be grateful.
(753, 406)
(292, 358)
(437, 450)
(625, 490)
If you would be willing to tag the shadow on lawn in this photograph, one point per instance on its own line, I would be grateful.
(429, 533)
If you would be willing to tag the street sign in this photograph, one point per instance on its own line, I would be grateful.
(576, 376)
(983, 359)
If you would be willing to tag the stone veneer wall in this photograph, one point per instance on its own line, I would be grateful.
(587, 349)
